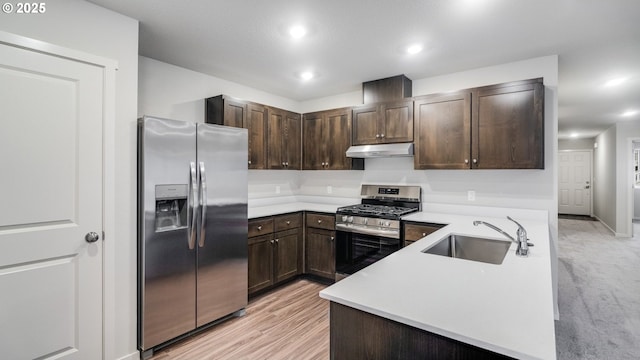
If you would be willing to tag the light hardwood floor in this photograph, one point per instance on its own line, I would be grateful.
(291, 322)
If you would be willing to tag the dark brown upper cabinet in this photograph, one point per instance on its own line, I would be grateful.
(326, 138)
(383, 123)
(225, 110)
(387, 89)
(507, 126)
(228, 111)
(285, 140)
(442, 131)
(492, 127)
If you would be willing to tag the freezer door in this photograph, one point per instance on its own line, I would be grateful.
(222, 239)
(166, 252)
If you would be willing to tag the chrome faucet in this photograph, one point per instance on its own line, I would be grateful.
(521, 234)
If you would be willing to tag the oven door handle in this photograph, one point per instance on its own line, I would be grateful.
(361, 230)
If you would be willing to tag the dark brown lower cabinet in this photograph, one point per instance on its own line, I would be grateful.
(414, 231)
(287, 249)
(320, 253)
(260, 261)
(320, 245)
(276, 256)
(359, 335)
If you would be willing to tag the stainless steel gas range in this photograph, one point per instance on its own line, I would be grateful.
(369, 231)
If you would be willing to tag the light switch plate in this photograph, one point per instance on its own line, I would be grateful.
(471, 195)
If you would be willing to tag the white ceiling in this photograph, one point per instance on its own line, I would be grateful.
(352, 41)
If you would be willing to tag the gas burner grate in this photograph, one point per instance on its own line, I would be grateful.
(380, 211)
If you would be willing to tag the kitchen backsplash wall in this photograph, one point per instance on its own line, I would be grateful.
(490, 187)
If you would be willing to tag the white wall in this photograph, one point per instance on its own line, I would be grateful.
(625, 132)
(91, 29)
(604, 178)
(613, 194)
(576, 144)
(636, 191)
(177, 93)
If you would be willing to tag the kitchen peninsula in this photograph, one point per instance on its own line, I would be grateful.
(503, 310)
(500, 310)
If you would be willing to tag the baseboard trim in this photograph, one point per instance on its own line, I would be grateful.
(605, 225)
(132, 356)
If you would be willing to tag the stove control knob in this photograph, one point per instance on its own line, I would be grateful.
(364, 221)
(345, 218)
(350, 219)
(387, 223)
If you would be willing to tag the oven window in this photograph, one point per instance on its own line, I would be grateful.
(357, 251)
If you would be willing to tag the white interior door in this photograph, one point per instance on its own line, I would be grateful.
(574, 182)
(51, 112)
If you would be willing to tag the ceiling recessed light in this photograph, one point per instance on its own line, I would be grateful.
(615, 82)
(306, 75)
(414, 49)
(297, 31)
(629, 113)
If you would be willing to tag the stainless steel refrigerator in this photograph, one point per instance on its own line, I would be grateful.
(192, 227)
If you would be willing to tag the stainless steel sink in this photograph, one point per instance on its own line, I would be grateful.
(470, 248)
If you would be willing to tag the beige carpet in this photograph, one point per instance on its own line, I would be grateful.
(598, 292)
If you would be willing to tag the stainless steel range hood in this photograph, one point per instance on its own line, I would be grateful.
(380, 150)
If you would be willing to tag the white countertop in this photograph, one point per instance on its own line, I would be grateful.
(505, 308)
(269, 207)
(256, 212)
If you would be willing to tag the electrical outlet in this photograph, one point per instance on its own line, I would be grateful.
(471, 195)
(329, 189)
(277, 189)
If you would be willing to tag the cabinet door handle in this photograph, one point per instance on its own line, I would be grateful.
(277, 240)
(424, 234)
(377, 136)
(249, 162)
(475, 161)
(381, 135)
(288, 222)
(286, 164)
(319, 221)
(283, 163)
(326, 164)
(259, 227)
(332, 238)
(322, 164)
(466, 161)
(271, 242)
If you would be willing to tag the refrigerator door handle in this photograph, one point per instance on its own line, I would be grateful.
(203, 203)
(193, 205)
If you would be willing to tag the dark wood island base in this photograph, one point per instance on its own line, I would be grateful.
(356, 334)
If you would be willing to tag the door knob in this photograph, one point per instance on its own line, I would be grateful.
(91, 237)
(587, 187)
